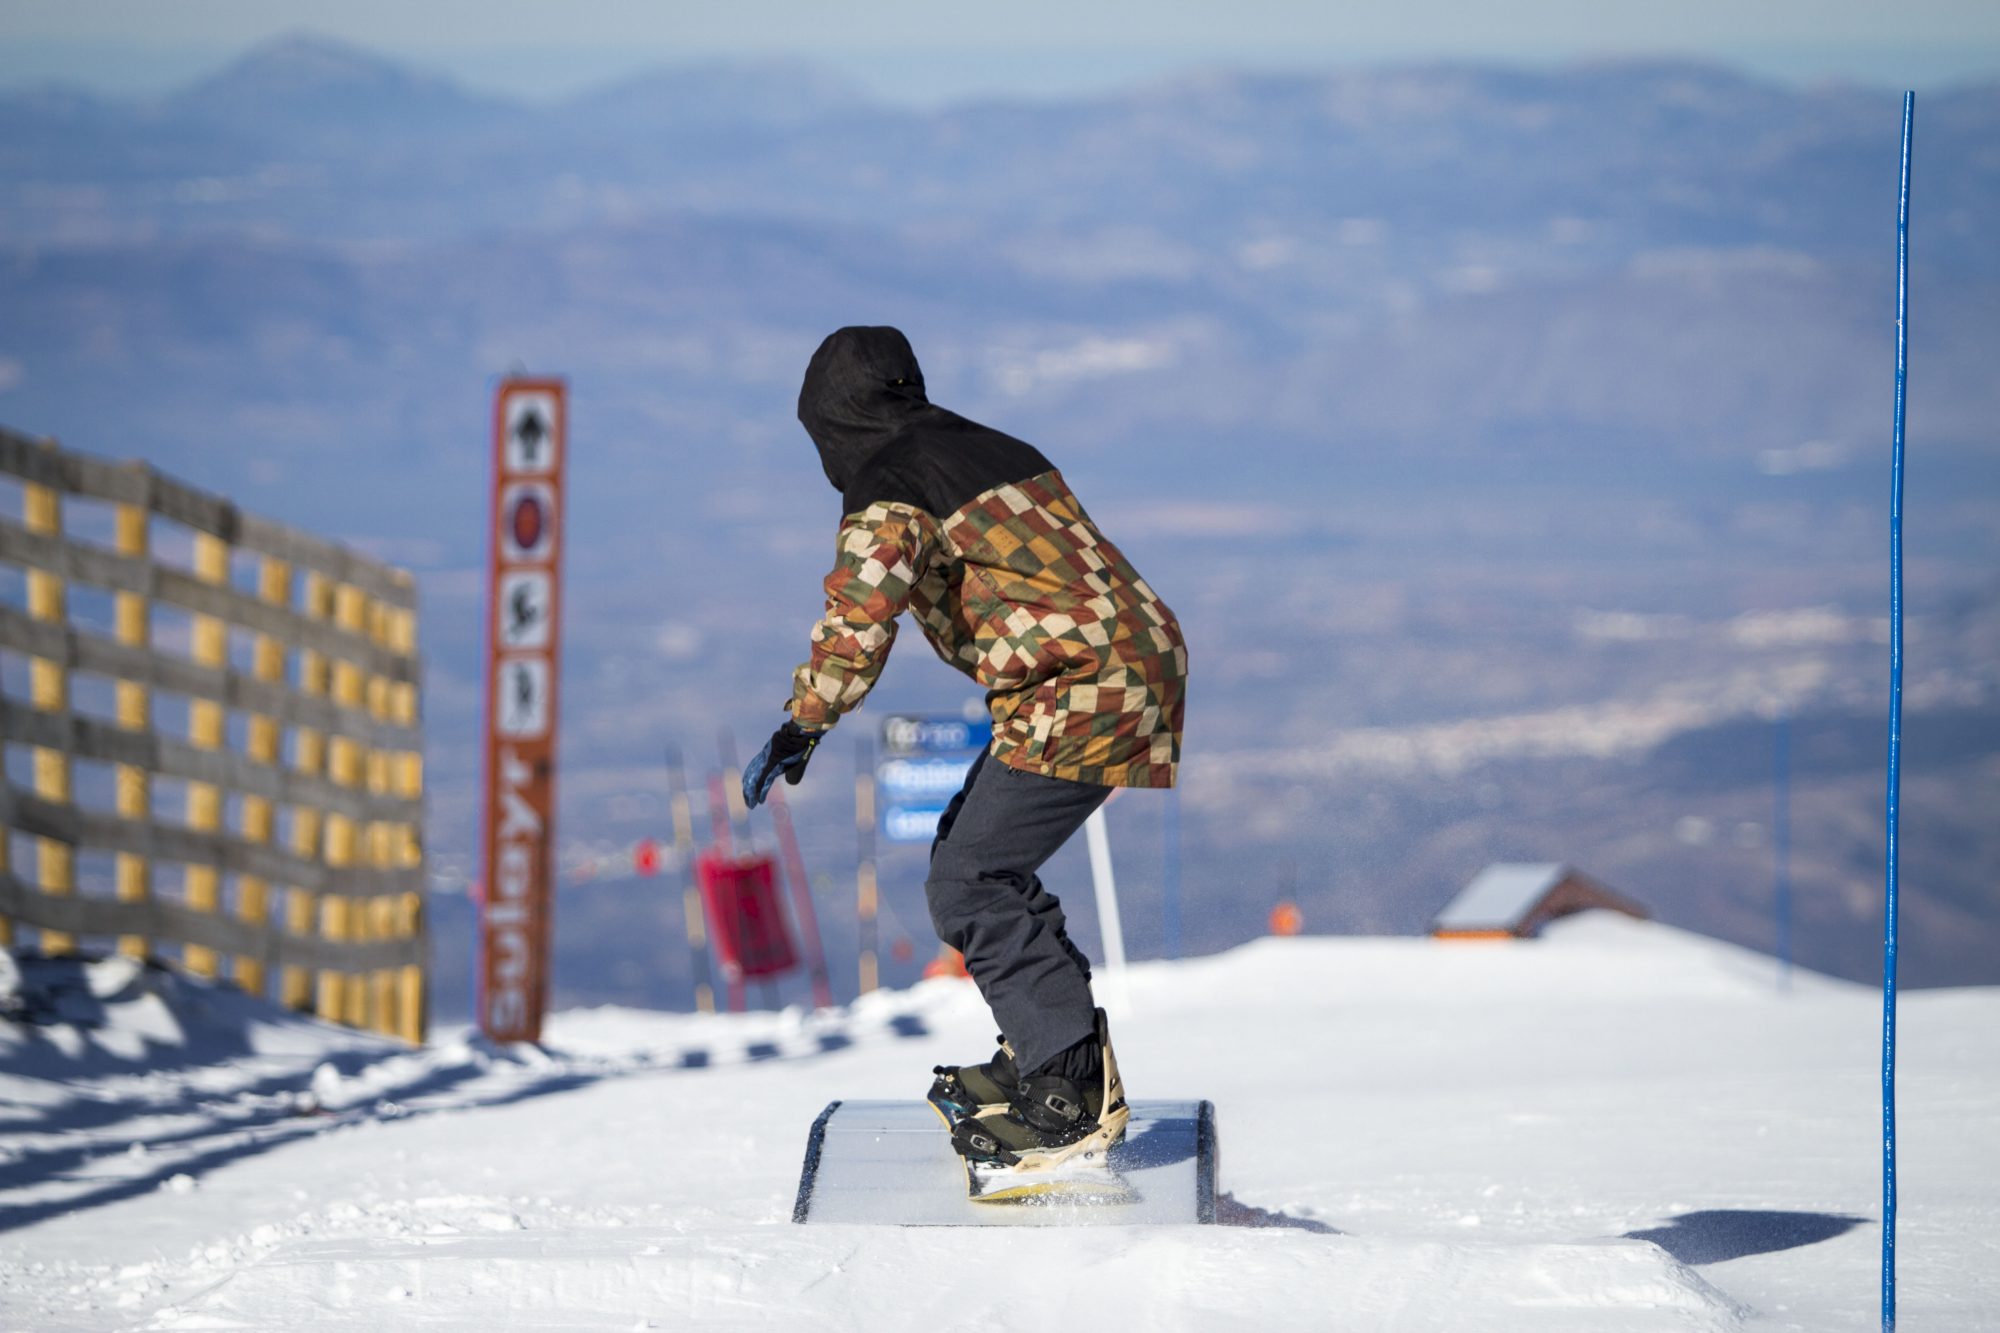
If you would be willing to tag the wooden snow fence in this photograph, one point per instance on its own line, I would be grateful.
(211, 691)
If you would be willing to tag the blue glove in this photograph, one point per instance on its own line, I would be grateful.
(786, 752)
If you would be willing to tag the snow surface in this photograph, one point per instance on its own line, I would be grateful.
(1617, 1127)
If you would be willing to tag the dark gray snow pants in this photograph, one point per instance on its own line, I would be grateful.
(987, 902)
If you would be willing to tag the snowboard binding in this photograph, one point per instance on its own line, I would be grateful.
(1050, 1137)
(960, 1092)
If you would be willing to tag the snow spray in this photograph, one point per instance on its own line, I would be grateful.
(1895, 734)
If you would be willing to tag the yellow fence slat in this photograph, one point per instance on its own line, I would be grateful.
(132, 623)
(303, 914)
(384, 914)
(261, 743)
(48, 692)
(336, 923)
(408, 784)
(202, 885)
(346, 760)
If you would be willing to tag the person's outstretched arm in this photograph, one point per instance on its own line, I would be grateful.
(882, 551)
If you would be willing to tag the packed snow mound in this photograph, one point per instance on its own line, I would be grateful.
(456, 1264)
(1616, 958)
(79, 1017)
(1618, 1126)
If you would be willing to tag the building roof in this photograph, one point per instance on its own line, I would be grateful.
(1500, 896)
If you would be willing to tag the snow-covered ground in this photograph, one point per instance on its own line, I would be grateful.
(1618, 1127)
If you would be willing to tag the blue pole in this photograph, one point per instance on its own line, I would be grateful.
(1781, 843)
(1170, 874)
(1895, 735)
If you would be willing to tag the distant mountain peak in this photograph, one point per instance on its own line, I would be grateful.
(309, 81)
(308, 62)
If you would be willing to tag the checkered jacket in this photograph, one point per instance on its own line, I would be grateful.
(1084, 666)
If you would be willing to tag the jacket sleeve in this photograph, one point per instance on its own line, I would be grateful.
(882, 552)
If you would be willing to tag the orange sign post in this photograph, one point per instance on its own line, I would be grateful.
(523, 620)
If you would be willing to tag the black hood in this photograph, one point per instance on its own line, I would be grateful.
(862, 386)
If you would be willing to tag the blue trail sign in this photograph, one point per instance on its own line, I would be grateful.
(923, 763)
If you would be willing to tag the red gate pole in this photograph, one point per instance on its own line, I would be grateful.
(732, 786)
(795, 870)
(691, 906)
(718, 817)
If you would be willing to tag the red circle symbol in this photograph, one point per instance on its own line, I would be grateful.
(528, 522)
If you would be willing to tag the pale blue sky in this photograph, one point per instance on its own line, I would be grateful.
(923, 50)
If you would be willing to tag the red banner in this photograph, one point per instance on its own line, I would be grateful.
(744, 915)
(523, 617)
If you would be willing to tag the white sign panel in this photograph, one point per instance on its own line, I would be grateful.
(527, 522)
(521, 697)
(531, 440)
(525, 609)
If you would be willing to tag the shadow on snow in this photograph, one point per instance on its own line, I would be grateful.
(282, 1120)
(1716, 1235)
(1231, 1213)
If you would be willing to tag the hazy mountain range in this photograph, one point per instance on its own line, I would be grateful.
(1551, 412)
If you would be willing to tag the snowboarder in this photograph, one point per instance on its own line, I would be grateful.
(977, 536)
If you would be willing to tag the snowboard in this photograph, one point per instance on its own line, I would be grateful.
(1087, 1178)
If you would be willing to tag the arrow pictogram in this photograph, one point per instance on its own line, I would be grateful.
(530, 431)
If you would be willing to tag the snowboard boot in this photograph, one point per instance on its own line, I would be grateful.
(1070, 1110)
(960, 1092)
